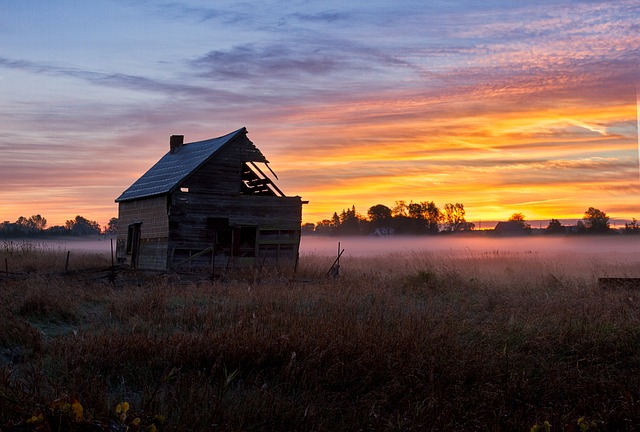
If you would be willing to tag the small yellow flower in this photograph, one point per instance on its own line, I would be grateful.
(77, 410)
(118, 408)
(136, 421)
(535, 428)
(547, 426)
(152, 428)
(35, 419)
(125, 407)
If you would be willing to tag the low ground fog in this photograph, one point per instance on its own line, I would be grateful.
(617, 256)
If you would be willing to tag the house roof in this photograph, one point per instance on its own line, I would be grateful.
(509, 227)
(173, 168)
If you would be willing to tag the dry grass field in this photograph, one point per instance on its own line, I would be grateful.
(409, 341)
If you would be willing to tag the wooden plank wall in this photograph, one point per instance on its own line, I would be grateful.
(189, 213)
(154, 231)
(222, 174)
(268, 212)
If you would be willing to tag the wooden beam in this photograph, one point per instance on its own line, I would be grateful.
(265, 176)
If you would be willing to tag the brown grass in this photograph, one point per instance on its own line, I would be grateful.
(415, 341)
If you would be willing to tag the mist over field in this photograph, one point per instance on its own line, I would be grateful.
(474, 255)
(498, 259)
(83, 244)
(607, 246)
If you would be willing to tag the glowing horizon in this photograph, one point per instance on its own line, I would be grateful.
(353, 104)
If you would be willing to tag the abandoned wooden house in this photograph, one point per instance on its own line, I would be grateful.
(208, 205)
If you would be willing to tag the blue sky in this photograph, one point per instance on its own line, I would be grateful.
(502, 106)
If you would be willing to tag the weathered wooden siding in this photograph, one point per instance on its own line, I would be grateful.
(153, 254)
(265, 211)
(154, 232)
(274, 222)
(222, 174)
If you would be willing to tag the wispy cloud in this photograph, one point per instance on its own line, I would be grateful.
(119, 80)
(268, 63)
(493, 104)
(188, 12)
(321, 17)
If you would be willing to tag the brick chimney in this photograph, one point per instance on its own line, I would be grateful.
(175, 142)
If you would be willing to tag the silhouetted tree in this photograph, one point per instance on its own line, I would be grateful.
(324, 227)
(632, 227)
(335, 223)
(454, 217)
(81, 226)
(37, 225)
(9, 229)
(400, 209)
(432, 216)
(596, 221)
(37, 222)
(379, 215)
(519, 217)
(350, 221)
(307, 228)
(57, 230)
(416, 218)
(24, 227)
(555, 227)
(112, 226)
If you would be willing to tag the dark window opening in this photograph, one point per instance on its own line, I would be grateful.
(237, 241)
(245, 241)
(220, 234)
(223, 240)
(133, 236)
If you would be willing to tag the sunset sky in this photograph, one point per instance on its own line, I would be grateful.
(503, 106)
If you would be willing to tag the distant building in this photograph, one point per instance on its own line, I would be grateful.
(510, 228)
(207, 205)
(383, 232)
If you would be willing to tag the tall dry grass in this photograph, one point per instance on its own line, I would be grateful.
(413, 341)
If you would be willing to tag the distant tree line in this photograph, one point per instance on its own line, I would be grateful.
(594, 221)
(404, 218)
(426, 218)
(36, 226)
